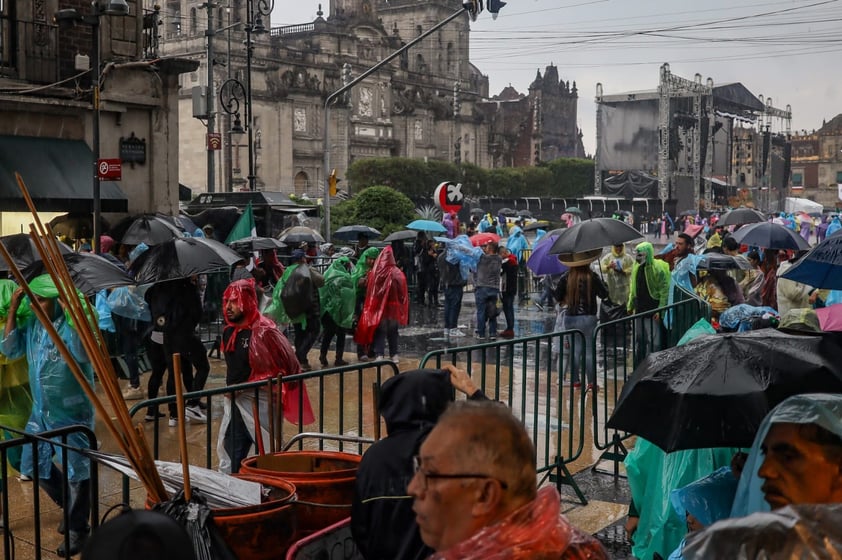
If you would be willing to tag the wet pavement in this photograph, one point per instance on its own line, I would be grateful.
(607, 496)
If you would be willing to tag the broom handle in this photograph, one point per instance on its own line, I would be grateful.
(182, 425)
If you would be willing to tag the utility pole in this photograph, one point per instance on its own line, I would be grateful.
(211, 105)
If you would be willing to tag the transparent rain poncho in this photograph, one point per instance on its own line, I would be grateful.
(338, 296)
(58, 399)
(460, 251)
(537, 530)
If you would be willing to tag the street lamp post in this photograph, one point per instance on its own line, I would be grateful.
(71, 16)
(256, 10)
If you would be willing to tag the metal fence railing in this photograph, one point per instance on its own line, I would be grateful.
(527, 374)
(620, 345)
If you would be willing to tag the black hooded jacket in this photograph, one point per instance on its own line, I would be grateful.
(384, 527)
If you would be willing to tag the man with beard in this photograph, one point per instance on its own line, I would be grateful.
(255, 350)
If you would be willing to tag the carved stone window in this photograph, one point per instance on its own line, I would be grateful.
(300, 119)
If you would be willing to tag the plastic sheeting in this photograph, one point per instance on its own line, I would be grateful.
(536, 530)
(386, 297)
(708, 499)
(462, 252)
(126, 302)
(739, 317)
(790, 533)
(338, 296)
(824, 410)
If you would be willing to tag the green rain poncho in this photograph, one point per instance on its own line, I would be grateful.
(361, 269)
(338, 295)
(276, 310)
(15, 398)
(59, 400)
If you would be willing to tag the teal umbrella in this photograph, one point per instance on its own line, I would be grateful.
(426, 225)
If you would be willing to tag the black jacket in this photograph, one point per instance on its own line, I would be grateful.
(383, 527)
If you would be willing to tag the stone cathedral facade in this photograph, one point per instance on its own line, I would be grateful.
(405, 109)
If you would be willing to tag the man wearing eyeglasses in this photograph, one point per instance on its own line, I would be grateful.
(475, 492)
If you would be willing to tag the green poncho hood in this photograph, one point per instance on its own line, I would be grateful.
(361, 269)
(7, 289)
(45, 287)
(657, 277)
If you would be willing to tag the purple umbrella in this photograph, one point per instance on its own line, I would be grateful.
(541, 262)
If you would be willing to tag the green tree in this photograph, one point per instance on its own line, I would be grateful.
(380, 207)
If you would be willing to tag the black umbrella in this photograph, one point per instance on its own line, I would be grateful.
(403, 235)
(718, 261)
(90, 273)
(507, 212)
(524, 213)
(300, 234)
(594, 234)
(540, 224)
(352, 233)
(182, 258)
(251, 244)
(182, 222)
(22, 249)
(689, 213)
(770, 236)
(716, 390)
(76, 225)
(740, 216)
(152, 230)
(477, 211)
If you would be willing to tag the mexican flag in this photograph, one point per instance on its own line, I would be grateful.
(244, 227)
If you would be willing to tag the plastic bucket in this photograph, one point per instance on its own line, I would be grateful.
(320, 477)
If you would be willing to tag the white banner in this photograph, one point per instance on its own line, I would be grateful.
(839, 186)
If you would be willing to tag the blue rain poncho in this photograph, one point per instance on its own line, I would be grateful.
(708, 500)
(58, 399)
(460, 251)
(822, 409)
(739, 316)
(517, 243)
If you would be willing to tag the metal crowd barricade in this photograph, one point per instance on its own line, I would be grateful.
(525, 374)
(619, 346)
(343, 400)
(20, 441)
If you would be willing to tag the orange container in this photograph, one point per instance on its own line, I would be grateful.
(262, 531)
(320, 477)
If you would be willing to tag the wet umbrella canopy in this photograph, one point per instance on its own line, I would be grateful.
(594, 234)
(182, 258)
(718, 261)
(90, 273)
(23, 251)
(403, 235)
(352, 233)
(821, 267)
(770, 236)
(300, 234)
(248, 244)
(426, 225)
(741, 216)
(717, 389)
(151, 230)
(541, 261)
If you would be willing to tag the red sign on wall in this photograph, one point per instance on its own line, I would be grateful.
(109, 169)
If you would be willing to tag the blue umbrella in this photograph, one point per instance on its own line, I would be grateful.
(821, 267)
(541, 262)
(426, 225)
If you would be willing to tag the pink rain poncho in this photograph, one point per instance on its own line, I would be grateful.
(385, 297)
(536, 531)
(270, 353)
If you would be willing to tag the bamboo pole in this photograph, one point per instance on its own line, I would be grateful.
(270, 410)
(279, 413)
(182, 424)
(133, 445)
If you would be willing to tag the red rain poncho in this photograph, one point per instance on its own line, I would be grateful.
(270, 353)
(536, 531)
(385, 297)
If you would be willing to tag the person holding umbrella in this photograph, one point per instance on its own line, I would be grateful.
(577, 290)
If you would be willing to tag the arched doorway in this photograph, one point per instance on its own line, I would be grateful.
(302, 181)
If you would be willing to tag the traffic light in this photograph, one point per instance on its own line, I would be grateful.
(494, 7)
(474, 7)
(457, 100)
(331, 182)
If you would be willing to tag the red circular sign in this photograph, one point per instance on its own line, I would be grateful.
(448, 196)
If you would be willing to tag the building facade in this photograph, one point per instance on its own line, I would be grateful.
(46, 116)
(430, 102)
(817, 164)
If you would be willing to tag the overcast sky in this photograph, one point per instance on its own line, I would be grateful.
(790, 50)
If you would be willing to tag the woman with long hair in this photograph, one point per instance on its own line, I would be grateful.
(577, 291)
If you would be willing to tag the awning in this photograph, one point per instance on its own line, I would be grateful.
(58, 173)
